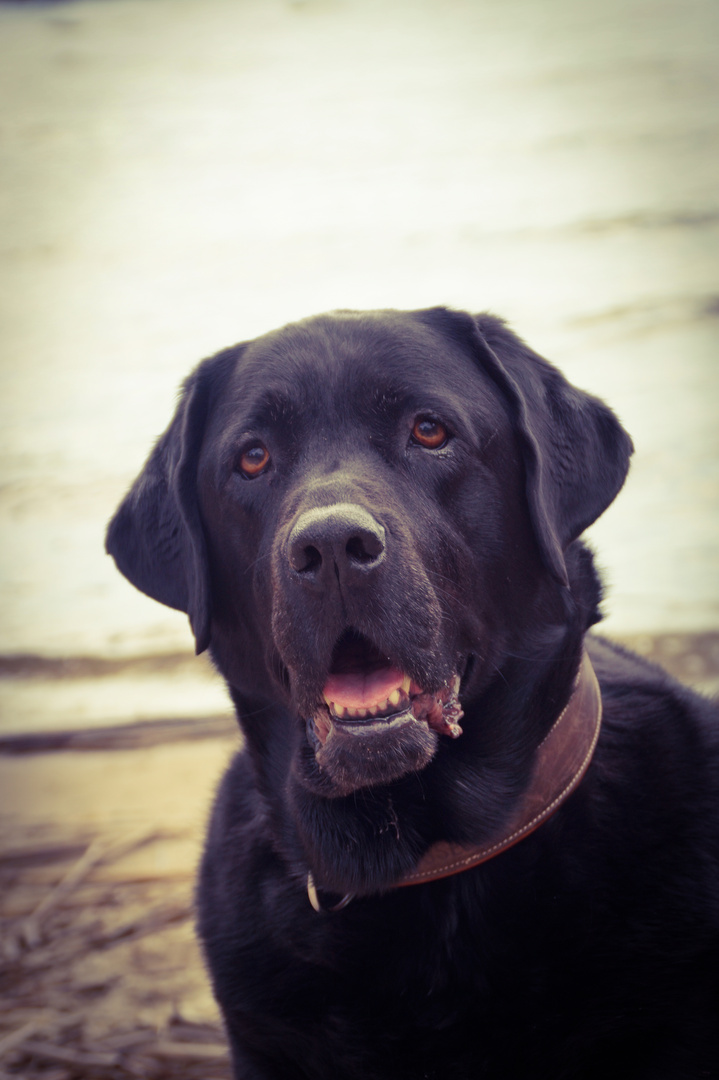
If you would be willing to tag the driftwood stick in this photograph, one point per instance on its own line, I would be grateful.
(155, 919)
(45, 1022)
(66, 1056)
(16, 1038)
(100, 850)
(178, 1050)
(90, 857)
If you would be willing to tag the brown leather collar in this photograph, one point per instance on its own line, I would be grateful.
(561, 760)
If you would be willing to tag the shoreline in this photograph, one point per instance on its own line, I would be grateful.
(692, 658)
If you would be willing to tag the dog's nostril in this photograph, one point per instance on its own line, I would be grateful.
(364, 548)
(305, 560)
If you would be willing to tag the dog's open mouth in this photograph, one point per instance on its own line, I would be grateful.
(367, 693)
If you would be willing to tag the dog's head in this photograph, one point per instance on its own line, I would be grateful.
(362, 513)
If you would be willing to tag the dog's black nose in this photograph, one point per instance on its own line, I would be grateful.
(342, 538)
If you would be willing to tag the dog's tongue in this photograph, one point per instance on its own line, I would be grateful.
(363, 689)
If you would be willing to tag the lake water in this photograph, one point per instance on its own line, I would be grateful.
(181, 174)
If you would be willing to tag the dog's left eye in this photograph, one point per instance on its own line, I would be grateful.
(429, 433)
(254, 460)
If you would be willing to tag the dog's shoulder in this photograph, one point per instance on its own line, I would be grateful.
(654, 788)
(638, 694)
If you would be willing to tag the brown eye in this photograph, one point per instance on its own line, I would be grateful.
(429, 433)
(254, 460)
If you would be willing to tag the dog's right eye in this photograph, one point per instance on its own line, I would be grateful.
(429, 433)
(254, 460)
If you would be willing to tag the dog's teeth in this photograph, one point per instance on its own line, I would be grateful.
(354, 714)
(455, 684)
(395, 697)
(406, 681)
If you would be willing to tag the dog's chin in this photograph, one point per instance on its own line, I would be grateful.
(354, 755)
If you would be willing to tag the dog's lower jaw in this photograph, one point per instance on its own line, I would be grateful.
(360, 756)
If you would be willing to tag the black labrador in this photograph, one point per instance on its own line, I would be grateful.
(443, 852)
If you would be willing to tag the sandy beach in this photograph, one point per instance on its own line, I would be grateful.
(101, 972)
(102, 975)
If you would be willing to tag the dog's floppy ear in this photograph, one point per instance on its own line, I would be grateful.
(156, 536)
(576, 453)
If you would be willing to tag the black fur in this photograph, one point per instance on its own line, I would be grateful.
(587, 951)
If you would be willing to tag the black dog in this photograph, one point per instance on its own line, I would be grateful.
(424, 864)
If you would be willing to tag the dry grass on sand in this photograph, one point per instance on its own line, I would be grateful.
(100, 974)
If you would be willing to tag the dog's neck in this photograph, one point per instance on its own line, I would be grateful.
(560, 762)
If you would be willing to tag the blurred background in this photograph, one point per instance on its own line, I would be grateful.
(178, 175)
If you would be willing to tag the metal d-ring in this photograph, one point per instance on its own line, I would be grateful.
(315, 899)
